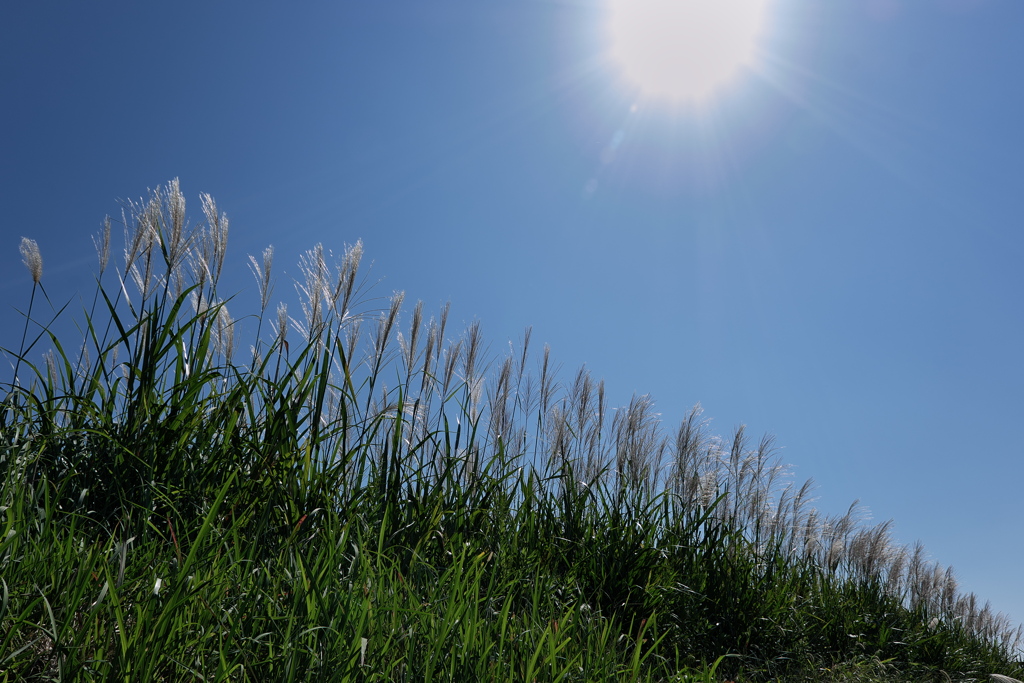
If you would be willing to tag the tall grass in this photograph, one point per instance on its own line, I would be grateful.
(354, 495)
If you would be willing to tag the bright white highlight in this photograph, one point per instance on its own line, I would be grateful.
(684, 49)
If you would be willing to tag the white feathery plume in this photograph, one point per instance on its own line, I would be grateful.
(32, 258)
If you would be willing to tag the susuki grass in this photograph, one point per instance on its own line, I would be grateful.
(363, 494)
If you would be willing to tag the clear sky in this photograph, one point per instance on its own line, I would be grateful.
(824, 244)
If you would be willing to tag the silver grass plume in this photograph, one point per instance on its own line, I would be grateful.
(427, 371)
(948, 592)
(472, 355)
(200, 304)
(215, 239)
(598, 426)
(353, 333)
(636, 435)
(524, 353)
(895, 579)
(140, 243)
(559, 438)
(707, 488)
(224, 331)
(799, 524)
(262, 274)
(811, 534)
(452, 354)
(547, 381)
(581, 400)
(314, 269)
(441, 326)
(387, 323)
(32, 258)
(916, 572)
(474, 379)
(282, 325)
(999, 678)
(410, 346)
(51, 366)
(102, 244)
(500, 420)
(176, 243)
(133, 236)
(345, 286)
(685, 475)
(176, 210)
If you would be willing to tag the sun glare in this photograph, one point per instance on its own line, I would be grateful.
(684, 49)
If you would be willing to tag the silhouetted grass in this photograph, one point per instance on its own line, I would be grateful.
(360, 499)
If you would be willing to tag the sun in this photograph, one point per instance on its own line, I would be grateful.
(684, 50)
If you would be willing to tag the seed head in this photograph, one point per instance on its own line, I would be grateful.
(103, 245)
(262, 274)
(32, 259)
(282, 321)
(224, 330)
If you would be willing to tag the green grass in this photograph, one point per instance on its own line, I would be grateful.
(362, 499)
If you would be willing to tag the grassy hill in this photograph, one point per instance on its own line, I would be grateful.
(350, 495)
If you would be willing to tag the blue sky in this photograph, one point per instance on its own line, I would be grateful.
(828, 249)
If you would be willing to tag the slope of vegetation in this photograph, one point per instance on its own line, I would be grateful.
(359, 499)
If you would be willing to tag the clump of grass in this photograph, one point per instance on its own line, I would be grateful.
(362, 499)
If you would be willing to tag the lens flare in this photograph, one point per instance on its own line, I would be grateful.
(684, 49)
